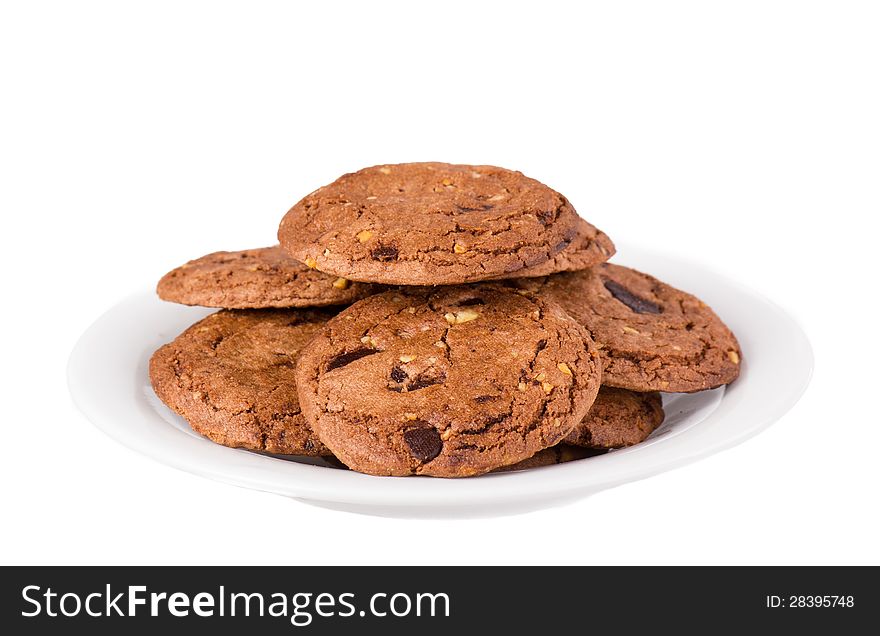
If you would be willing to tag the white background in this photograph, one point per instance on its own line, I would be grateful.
(744, 135)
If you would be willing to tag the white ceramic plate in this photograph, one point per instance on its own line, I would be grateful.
(108, 379)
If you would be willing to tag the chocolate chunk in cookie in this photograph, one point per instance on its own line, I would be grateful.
(449, 382)
(438, 224)
(232, 377)
(252, 279)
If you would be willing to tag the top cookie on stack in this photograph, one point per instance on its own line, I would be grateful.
(439, 224)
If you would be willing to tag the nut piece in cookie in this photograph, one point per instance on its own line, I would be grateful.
(253, 279)
(450, 382)
(438, 224)
(653, 336)
(232, 377)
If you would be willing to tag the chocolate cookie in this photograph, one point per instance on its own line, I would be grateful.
(618, 418)
(251, 279)
(434, 224)
(450, 383)
(559, 454)
(231, 376)
(653, 337)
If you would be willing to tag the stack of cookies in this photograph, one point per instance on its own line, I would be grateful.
(434, 319)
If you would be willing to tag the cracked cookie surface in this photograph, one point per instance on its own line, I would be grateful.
(450, 382)
(653, 337)
(263, 277)
(436, 224)
(618, 418)
(589, 247)
(232, 377)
